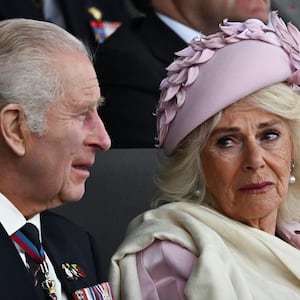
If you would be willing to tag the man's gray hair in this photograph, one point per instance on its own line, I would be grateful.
(29, 76)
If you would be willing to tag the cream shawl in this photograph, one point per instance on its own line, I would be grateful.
(235, 261)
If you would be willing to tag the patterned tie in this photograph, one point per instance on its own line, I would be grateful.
(28, 239)
(31, 232)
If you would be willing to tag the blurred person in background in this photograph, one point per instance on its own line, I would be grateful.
(131, 63)
(89, 20)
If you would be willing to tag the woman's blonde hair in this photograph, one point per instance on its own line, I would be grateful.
(180, 177)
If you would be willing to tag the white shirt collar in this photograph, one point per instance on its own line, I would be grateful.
(12, 219)
(185, 32)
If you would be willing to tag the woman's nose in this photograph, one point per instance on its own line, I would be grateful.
(253, 156)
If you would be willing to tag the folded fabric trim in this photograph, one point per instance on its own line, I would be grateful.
(290, 233)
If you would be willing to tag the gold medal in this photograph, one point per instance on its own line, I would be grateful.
(48, 284)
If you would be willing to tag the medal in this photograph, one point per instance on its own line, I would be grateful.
(101, 291)
(31, 245)
(95, 12)
(73, 271)
(48, 284)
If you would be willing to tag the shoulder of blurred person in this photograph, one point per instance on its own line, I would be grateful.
(130, 65)
(98, 18)
(89, 20)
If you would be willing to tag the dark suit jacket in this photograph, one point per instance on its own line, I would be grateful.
(130, 65)
(75, 13)
(64, 242)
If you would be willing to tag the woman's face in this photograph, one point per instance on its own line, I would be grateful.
(246, 164)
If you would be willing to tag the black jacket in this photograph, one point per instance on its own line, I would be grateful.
(64, 242)
(76, 14)
(130, 65)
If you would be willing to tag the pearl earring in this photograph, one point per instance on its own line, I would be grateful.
(292, 179)
(197, 193)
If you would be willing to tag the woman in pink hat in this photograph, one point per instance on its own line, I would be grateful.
(226, 211)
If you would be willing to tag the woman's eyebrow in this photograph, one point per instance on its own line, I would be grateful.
(234, 129)
(270, 123)
(225, 130)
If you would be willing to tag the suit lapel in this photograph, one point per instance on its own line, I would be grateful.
(162, 41)
(14, 276)
(61, 252)
(75, 10)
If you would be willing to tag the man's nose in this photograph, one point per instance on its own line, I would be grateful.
(98, 137)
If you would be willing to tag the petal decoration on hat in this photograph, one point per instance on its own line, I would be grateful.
(192, 75)
(184, 70)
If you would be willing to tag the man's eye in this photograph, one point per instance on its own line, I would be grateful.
(85, 114)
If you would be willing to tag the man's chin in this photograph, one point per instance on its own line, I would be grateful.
(74, 196)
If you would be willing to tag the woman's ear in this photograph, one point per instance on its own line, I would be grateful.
(14, 128)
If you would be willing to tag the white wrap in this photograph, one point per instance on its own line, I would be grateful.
(235, 261)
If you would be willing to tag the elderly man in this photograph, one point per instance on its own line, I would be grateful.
(49, 134)
(131, 63)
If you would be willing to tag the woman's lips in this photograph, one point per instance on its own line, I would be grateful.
(257, 188)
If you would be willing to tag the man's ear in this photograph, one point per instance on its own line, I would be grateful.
(14, 128)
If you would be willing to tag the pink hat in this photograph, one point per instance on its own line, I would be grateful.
(220, 69)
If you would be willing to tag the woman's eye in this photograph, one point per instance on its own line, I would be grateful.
(271, 135)
(225, 142)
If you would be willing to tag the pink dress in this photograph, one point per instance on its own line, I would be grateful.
(163, 269)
